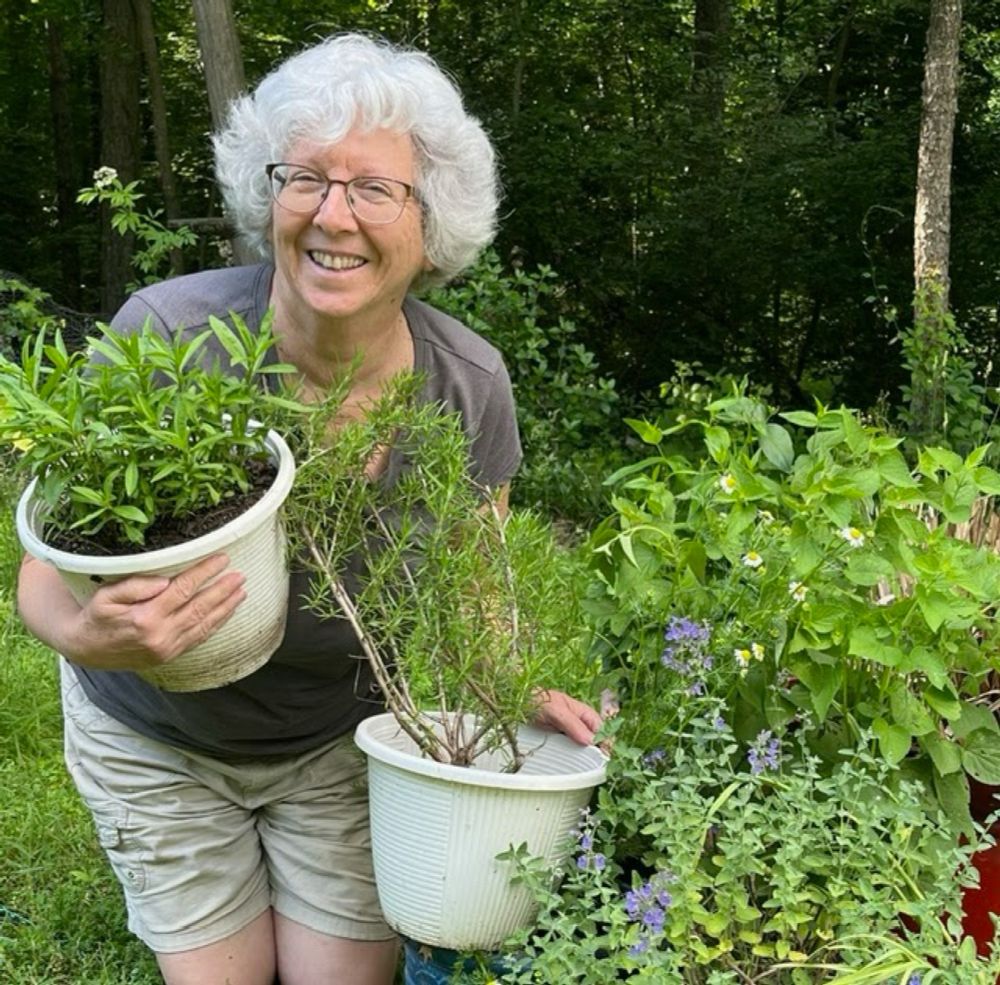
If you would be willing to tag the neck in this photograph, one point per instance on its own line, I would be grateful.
(378, 346)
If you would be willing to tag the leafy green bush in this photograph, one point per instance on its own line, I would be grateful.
(828, 571)
(567, 412)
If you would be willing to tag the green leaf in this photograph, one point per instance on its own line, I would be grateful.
(776, 444)
(923, 660)
(892, 467)
(981, 755)
(803, 418)
(974, 716)
(945, 754)
(944, 702)
(894, 741)
(864, 568)
(649, 433)
(864, 643)
(717, 442)
(909, 712)
(935, 608)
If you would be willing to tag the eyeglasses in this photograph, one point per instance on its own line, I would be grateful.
(371, 199)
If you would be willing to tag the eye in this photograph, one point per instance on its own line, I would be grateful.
(374, 188)
(303, 179)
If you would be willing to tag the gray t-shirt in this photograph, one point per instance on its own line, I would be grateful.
(316, 686)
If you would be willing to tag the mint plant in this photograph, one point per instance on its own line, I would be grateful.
(138, 427)
(706, 862)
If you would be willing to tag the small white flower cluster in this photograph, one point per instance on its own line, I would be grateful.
(104, 177)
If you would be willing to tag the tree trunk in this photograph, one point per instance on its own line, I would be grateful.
(222, 61)
(158, 110)
(932, 217)
(221, 56)
(119, 137)
(711, 29)
(708, 84)
(932, 328)
(67, 178)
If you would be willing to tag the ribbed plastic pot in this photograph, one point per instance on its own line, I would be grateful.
(255, 544)
(437, 830)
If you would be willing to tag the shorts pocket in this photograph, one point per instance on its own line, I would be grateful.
(123, 851)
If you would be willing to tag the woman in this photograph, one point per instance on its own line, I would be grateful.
(233, 817)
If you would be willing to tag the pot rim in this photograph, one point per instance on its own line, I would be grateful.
(375, 734)
(30, 513)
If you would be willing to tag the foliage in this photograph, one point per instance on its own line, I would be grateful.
(457, 608)
(565, 411)
(944, 403)
(145, 431)
(706, 862)
(829, 574)
(22, 313)
(155, 241)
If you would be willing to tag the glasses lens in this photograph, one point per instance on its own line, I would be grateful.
(298, 189)
(378, 200)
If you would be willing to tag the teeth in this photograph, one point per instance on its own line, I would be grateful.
(335, 262)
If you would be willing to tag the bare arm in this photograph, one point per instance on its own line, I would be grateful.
(132, 624)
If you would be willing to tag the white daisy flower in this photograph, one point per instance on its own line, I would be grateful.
(797, 590)
(752, 559)
(853, 536)
(727, 483)
(757, 651)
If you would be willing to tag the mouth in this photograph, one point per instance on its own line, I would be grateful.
(335, 261)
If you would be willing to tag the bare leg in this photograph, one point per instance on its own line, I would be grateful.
(245, 958)
(306, 957)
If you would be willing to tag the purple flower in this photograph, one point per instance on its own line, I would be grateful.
(686, 643)
(647, 906)
(764, 753)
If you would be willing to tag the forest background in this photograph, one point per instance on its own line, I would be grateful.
(726, 183)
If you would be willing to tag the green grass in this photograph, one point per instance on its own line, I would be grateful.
(62, 919)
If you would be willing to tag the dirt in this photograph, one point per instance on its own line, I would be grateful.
(169, 531)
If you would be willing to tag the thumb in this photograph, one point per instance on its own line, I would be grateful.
(139, 588)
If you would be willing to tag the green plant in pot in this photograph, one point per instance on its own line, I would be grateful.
(463, 614)
(827, 568)
(145, 455)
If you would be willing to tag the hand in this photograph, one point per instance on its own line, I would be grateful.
(561, 713)
(136, 623)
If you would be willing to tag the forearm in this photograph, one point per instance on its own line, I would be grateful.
(48, 609)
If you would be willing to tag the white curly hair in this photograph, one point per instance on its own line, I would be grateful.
(353, 80)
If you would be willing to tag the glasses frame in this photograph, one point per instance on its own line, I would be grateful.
(269, 170)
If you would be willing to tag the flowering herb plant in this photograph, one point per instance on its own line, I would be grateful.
(829, 575)
(712, 861)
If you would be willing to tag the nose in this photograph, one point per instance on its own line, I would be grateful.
(334, 212)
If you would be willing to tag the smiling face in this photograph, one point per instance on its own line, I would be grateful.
(329, 266)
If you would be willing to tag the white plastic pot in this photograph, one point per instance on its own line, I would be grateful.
(255, 544)
(437, 829)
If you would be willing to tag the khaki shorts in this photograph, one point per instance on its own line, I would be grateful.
(202, 847)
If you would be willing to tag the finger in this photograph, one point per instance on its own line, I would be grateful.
(202, 616)
(184, 586)
(128, 591)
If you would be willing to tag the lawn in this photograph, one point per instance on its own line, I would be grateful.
(62, 920)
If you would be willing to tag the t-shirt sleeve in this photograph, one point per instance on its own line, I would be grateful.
(496, 448)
